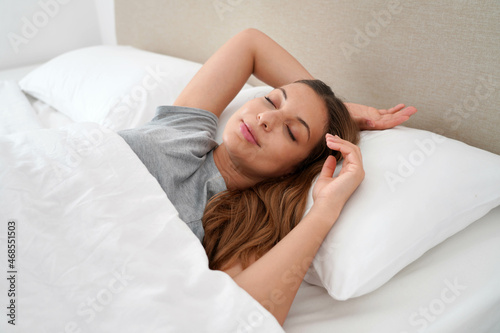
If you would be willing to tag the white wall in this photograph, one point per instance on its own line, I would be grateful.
(34, 31)
(106, 16)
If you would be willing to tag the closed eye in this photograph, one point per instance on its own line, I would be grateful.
(269, 100)
(287, 127)
(290, 133)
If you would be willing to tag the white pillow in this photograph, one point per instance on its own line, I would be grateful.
(116, 86)
(420, 188)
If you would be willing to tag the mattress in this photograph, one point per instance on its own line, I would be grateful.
(453, 287)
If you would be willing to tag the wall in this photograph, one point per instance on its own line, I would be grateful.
(440, 56)
(34, 31)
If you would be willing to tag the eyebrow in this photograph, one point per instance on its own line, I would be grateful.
(306, 126)
(300, 120)
(284, 93)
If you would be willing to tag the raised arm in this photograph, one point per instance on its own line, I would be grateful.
(225, 73)
(274, 279)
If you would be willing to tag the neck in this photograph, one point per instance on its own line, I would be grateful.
(232, 175)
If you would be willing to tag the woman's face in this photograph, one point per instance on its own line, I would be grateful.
(269, 136)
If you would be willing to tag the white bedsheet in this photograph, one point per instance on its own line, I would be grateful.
(99, 247)
(47, 117)
(16, 112)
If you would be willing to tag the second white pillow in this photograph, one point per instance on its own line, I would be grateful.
(116, 86)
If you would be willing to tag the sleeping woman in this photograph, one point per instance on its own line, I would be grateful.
(244, 198)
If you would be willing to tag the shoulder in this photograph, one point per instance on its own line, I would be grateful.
(173, 133)
(181, 116)
(170, 120)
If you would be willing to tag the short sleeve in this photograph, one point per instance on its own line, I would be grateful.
(182, 119)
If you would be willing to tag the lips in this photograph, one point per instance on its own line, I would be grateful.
(247, 134)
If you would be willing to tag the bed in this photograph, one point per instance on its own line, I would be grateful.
(92, 244)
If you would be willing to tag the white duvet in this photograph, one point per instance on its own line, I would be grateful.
(98, 245)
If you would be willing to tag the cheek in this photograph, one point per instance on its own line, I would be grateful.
(286, 158)
(233, 122)
(226, 135)
(229, 135)
(245, 110)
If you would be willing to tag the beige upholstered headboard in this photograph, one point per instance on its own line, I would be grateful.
(441, 56)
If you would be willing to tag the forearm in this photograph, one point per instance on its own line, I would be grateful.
(228, 69)
(273, 64)
(220, 78)
(253, 52)
(274, 279)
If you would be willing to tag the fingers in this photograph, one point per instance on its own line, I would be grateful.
(329, 167)
(409, 111)
(350, 152)
(334, 142)
(329, 189)
(393, 117)
(393, 109)
(400, 107)
(395, 120)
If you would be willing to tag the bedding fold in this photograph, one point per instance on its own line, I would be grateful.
(16, 113)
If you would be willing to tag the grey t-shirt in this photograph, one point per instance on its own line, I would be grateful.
(177, 148)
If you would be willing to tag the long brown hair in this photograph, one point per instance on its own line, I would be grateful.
(241, 225)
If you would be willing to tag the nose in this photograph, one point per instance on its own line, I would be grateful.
(268, 119)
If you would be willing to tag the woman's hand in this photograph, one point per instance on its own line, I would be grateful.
(330, 192)
(370, 118)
